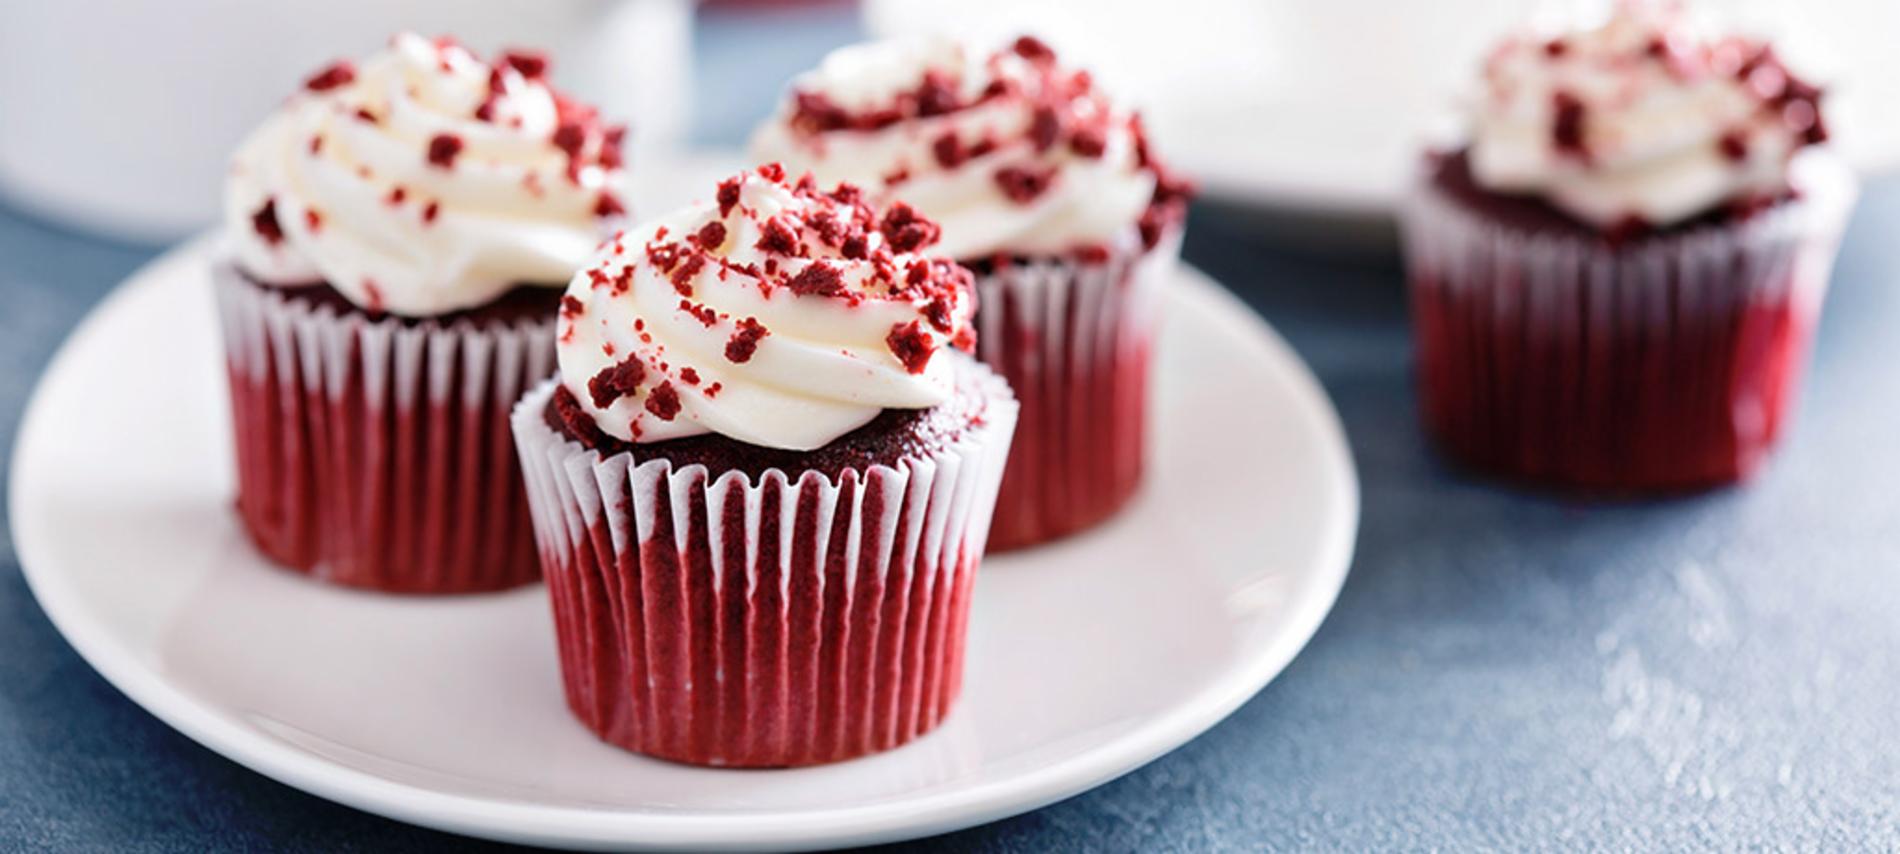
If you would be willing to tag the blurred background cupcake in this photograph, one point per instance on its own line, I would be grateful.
(1050, 192)
(763, 478)
(396, 235)
(1615, 278)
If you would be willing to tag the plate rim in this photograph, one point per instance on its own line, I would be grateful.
(568, 827)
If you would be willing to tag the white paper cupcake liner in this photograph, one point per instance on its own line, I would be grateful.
(1664, 363)
(373, 452)
(1075, 340)
(787, 620)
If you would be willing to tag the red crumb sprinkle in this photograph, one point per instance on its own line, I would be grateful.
(1089, 142)
(374, 295)
(313, 219)
(1045, 127)
(530, 64)
(777, 238)
(896, 176)
(1034, 49)
(948, 150)
(774, 172)
(664, 401)
(569, 137)
(339, 73)
(608, 205)
(443, 148)
(700, 312)
(911, 345)
(363, 114)
(728, 196)
(1566, 129)
(1734, 146)
(264, 222)
(430, 210)
(614, 383)
(689, 376)
(571, 306)
(714, 389)
(683, 275)
(906, 230)
(1021, 185)
(1556, 48)
(316, 144)
(819, 279)
(937, 311)
(712, 236)
(745, 341)
(397, 194)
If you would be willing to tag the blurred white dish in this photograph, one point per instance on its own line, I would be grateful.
(1322, 105)
(118, 115)
(1088, 659)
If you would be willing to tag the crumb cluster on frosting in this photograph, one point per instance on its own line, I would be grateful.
(1642, 121)
(1012, 151)
(424, 180)
(776, 313)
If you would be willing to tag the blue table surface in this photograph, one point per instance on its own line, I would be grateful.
(1502, 670)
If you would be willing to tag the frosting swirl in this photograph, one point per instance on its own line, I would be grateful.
(423, 181)
(776, 314)
(1640, 121)
(1009, 150)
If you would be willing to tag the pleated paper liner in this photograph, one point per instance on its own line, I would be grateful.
(375, 453)
(788, 620)
(1666, 364)
(1075, 340)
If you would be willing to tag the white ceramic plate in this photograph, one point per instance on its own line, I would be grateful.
(1089, 658)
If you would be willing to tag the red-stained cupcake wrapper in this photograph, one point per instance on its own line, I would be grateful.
(1663, 365)
(1075, 341)
(376, 454)
(791, 620)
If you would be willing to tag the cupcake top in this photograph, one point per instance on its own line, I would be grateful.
(1641, 121)
(423, 180)
(1011, 151)
(776, 314)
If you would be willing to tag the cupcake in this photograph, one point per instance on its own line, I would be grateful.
(1045, 189)
(1615, 279)
(762, 478)
(396, 238)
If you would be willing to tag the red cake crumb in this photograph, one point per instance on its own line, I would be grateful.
(906, 230)
(529, 64)
(1566, 129)
(364, 115)
(664, 401)
(313, 219)
(1023, 185)
(777, 237)
(339, 73)
(911, 345)
(316, 144)
(745, 341)
(948, 150)
(819, 279)
(1034, 49)
(701, 312)
(443, 148)
(1734, 146)
(375, 296)
(571, 306)
(614, 383)
(689, 376)
(430, 210)
(264, 222)
(728, 196)
(712, 236)
(1089, 142)
(607, 204)
(1044, 127)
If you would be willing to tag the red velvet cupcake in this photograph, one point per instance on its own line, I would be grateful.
(1048, 191)
(1615, 282)
(397, 234)
(762, 480)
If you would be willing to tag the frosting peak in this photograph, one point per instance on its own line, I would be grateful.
(1641, 119)
(423, 180)
(775, 314)
(1010, 150)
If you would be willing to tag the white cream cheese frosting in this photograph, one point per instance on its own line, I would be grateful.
(776, 314)
(423, 180)
(1640, 119)
(1010, 151)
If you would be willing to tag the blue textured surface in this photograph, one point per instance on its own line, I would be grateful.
(1501, 671)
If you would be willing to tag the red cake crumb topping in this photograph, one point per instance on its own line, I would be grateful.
(745, 341)
(1023, 185)
(443, 149)
(264, 222)
(313, 220)
(375, 296)
(906, 230)
(529, 64)
(728, 196)
(1734, 146)
(912, 346)
(338, 73)
(430, 210)
(664, 401)
(607, 204)
(711, 236)
(614, 383)
(689, 376)
(819, 279)
(397, 194)
(571, 307)
(1566, 129)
